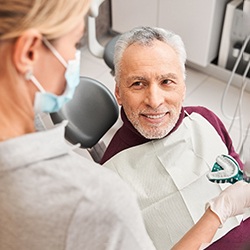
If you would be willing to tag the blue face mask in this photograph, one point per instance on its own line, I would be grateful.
(48, 102)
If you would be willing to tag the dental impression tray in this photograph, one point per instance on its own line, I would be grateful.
(225, 169)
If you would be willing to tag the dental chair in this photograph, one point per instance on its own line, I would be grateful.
(106, 52)
(90, 114)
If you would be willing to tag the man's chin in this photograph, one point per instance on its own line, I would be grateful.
(151, 135)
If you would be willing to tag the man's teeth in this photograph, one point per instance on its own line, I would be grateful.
(155, 116)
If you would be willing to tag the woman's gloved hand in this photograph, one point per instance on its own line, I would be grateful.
(232, 201)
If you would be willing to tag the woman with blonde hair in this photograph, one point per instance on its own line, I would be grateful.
(50, 197)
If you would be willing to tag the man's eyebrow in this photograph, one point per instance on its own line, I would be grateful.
(168, 75)
(136, 78)
(133, 78)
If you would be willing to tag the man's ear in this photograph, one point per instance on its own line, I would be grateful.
(117, 94)
(25, 50)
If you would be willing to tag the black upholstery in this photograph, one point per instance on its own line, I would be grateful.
(109, 52)
(91, 113)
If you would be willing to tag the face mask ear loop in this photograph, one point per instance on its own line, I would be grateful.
(30, 76)
(55, 52)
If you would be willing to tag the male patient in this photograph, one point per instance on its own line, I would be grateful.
(164, 150)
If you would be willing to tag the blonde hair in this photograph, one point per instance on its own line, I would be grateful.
(52, 18)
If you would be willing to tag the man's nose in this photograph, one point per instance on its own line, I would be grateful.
(154, 96)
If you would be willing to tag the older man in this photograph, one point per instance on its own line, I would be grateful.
(164, 150)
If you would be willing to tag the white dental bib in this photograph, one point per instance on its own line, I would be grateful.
(169, 178)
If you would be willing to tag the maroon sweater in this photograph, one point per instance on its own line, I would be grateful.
(127, 136)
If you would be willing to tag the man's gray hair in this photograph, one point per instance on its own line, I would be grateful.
(145, 36)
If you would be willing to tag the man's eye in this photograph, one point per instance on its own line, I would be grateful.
(167, 81)
(136, 84)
